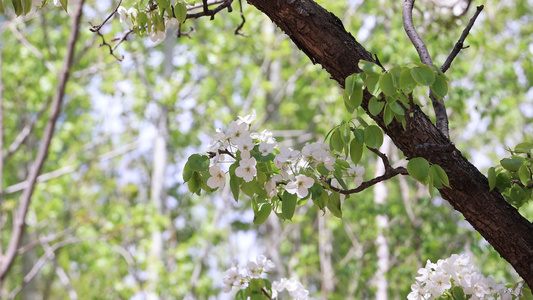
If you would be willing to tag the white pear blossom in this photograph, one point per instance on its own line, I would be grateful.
(217, 179)
(294, 287)
(266, 148)
(357, 173)
(300, 186)
(287, 155)
(265, 136)
(272, 184)
(157, 35)
(57, 3)
(265, 264)
(246, 169)
(237, 131)
(247, 119)
(245, 143)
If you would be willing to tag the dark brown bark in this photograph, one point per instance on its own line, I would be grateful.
(321, 35)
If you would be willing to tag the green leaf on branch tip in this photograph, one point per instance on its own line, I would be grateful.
(321, 201)
(321, 168)
(346, 133)
(27, 6)
(387, 85)
(397, 108)
(347, 104)
(523, 147)
(261, 215)
(241, 295)
(195, 182)
(198, 162)
(17, 4)
(375, 106)
(234, 181)
(187, 172)
(64, 4)
(518, 195)
(440, 87)
(316, 191)
(359, 134)
(424, 75)
(524, 174)
(356, 151)
(503, 181)
(334, 204)
(407, 82)
(388, 115)
(181, 12)
(369, 67)
(492, 178)
(335, 141)
(372, 83)
(288, 204)
(418, 168)
(511, 164)
(373, 136)
(442, 175)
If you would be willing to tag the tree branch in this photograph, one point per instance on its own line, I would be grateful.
(389, 173)
(19, 216)
(423, 53)
(459, 45)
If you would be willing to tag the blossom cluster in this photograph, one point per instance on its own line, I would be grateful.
(293, 165)
(457, 271)
(240, 277)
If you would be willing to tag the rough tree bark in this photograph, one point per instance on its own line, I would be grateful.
(321, 35)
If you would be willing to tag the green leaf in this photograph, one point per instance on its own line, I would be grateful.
(346, 133)
(356, 151)
(334, 204)
(373, 136)
(349, 84)
(288, 204)
(322, 169)
(369, 67)
(395, 72)
(503, 181)
(407, 82)
(195, 183)
(241, 295)
(523, 147)
(440, 87)
(27, 6)
(64, 4)
(181, 12)
(262, 214)
(397, 108)
(234, 181)
(316, 191)
(198, 162)
(511, 164)
(17, 4)
(386, 84)
(335, 141)
(187, 172)
(524, 174)
(418, 168)
(492, 178)
(322, 201)
(355, 98)
(424, 75)
(347, 103)
(388, 115)
(518, 195)
(359, 135)
(372, 83)
(375, 106)
(435, 178)
(442, 175)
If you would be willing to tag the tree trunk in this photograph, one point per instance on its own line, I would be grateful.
(321, 35)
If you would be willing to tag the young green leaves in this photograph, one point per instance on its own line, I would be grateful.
(421, 170)
(391, 89)
(513, 178)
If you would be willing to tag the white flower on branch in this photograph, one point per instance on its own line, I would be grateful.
(217, 179)
(300, 186)
(246, 169)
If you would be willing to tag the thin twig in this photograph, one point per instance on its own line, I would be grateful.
(423, 53)
(98, 27)
(459, 45)
(210, 12)
(19, 216)
(238, 29)
(389, 173)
